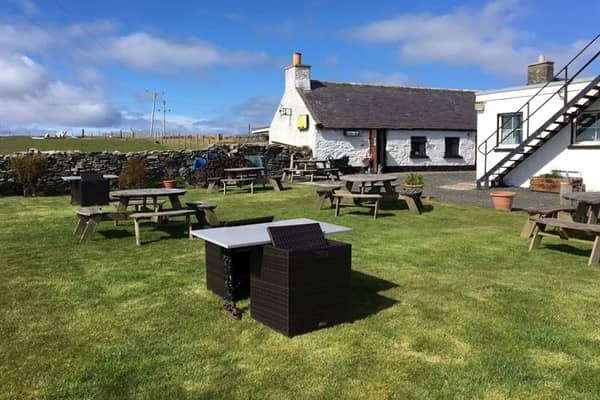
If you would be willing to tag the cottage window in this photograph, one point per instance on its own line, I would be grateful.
(510, 128)
(418, 147)
(588, 127)
(451, 148)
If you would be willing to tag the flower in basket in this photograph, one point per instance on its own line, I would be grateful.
(414, 180)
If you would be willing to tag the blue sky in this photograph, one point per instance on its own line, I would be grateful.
(219, 64)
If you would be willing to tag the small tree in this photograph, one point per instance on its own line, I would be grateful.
(27, 169)
(133, 174)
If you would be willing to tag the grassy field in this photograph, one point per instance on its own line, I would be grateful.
(9, 144)
(448, 304)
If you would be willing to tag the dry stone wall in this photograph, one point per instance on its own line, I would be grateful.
(159, 164)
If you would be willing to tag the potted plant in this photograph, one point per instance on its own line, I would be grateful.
(503, 199)
(169, 183)
(414, 181)
(27, 169)
(549, 182)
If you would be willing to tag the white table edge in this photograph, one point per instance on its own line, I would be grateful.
(205, 233)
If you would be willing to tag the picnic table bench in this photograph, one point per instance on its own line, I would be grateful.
(326, 193)
(90, 217)
(577, 231)
(139, 216)
(412, 197)
(358, 199)
(239, 182)
(561, 212)
(205, 212)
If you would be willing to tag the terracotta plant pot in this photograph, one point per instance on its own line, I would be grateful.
(169, 183)
(406, 186)
(503, 200)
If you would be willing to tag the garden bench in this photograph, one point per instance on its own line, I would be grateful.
(577, 231)
(275, 181)
(361, 200)
(90, 217)
(138, 216)
(205, 212)
(412, 197)
(239, 182)
(212, 183)
(561, 212)
(324, 193)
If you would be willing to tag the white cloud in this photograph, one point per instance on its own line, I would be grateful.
(28, 7)
(374, 77)
(24, 38)
(29, 96)
(143, 51)
(482, 37)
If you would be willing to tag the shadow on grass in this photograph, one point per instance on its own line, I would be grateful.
(116, 233)
(566, 248)
(366, 299)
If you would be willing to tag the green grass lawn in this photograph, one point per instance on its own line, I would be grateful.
(448, 304)
(10, 144)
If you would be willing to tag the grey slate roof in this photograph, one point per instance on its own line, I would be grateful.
(354, 106)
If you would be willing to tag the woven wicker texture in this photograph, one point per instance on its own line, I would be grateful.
(297, 237)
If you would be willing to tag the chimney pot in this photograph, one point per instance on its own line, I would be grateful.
(297, 59)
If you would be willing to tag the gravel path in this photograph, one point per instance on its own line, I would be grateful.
(459, 187)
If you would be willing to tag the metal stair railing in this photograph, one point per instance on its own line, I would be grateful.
(483, 147)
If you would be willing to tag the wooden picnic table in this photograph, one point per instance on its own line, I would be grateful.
(363, 179)
(125, 196)
(243, 171)
(588, 206)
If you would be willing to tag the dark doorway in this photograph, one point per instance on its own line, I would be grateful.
(377, 145)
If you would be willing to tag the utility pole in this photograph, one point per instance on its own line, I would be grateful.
(164, 110)
(154, 96)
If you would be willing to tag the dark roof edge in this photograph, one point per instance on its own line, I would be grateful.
(396, 86)
(309, 107)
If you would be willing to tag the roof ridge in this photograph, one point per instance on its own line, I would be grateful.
(393, 86)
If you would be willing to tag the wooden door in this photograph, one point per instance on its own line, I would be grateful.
(373, 150)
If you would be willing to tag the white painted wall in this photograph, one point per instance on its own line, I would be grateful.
(398, 148)
(510, 100)
(333, 143)
(284, 128)
(556, 155)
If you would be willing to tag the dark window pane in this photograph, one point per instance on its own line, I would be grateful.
(418, 146)
(588, 128)
(452, 146)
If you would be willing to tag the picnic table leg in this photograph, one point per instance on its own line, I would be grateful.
(90, 228)
(251, 187)
(375, 209)
(593, 214)
(136, 224)
(337, 206)
(175, 203)
(229, 307)
(388, 186)
(81, 224)
(595, 256)
(529, 226)
(537, 238)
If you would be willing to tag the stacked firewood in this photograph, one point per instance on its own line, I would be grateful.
(214, 168)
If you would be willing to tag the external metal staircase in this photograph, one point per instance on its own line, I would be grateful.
(572, 108)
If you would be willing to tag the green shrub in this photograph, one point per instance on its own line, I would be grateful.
(553, 174)
(414, 179)
(133, 174)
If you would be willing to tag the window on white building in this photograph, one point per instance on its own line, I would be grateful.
(510, 128)
(418, 147)
(587, 128)
(452, 145)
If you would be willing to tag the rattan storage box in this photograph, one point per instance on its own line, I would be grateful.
(298, 291)
(242, 260)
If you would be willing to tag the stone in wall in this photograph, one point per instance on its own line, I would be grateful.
(159, 164)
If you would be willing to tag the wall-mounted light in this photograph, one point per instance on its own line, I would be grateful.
(285, 111)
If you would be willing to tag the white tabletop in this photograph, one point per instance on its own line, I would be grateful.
(78, 178)
(256, 235)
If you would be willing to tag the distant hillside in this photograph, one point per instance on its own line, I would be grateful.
(10, 144)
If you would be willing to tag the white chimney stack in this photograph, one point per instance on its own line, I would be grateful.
(297, 75)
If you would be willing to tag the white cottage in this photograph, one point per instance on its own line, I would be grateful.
(552, 123)
(383, 127)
